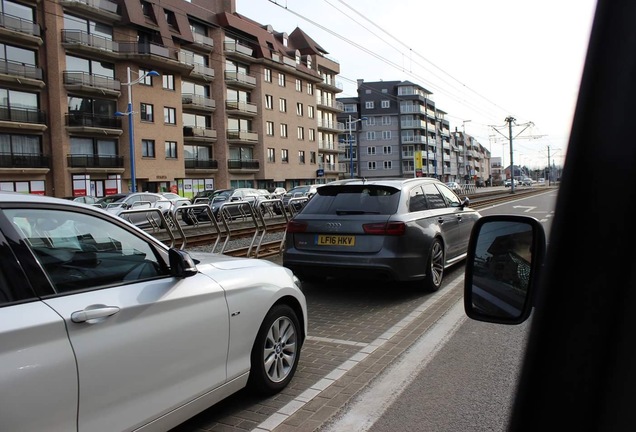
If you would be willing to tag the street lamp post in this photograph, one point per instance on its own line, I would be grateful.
(351, 122)
(131, 132)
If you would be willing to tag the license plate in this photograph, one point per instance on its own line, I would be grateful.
(336, 240)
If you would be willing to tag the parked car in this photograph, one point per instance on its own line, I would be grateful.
(405, 230)
(203, 195)
(85, 199)
(305, 191)
(103, 202)
(139, 201)
(279, 192)
(455, 187)
(508, 182)
(216, 201)
(527, 182)
(105, 328)
(176, 200)
(578, 361)
(480, 183)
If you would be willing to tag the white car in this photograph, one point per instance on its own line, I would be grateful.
(133, 207)
(104, 328)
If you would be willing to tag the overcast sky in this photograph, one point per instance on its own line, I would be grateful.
(483, 60)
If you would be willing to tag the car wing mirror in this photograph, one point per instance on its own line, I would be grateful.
(181, 263)
(503, 266)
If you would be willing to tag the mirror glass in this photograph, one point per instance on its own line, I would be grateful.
(501, 268)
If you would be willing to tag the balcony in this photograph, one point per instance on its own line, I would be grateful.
(330, 105)
(80, 42)
(199, 134)
(152, 55)
(94, 161)
(197, 102)
(93, 124)
(92, 84)
(252, 165)
(242, 137)
(330, 168)
(24, 119)
(203, 42)
(25, 75)
(330, 125)
(239, 79)
(24, 160)
(331, 85)
(234, 49)
(201, 164)
(14, 29)
(241, 108)
(102, 10)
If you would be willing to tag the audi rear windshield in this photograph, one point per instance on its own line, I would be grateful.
(353, 200)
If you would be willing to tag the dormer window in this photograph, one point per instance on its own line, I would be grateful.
(297, 57)
(308, 61)
(284, 39)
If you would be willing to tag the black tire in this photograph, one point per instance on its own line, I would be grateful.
(435, 267)
(276, 351)
(185, 217)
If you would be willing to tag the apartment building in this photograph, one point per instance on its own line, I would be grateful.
(393, 128)
(174, 95)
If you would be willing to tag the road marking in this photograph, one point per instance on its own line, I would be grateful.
(434, 342)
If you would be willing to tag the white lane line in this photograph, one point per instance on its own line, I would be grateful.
(314, 390)
(369, 406)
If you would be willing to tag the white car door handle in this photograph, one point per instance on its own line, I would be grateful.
(91, 314)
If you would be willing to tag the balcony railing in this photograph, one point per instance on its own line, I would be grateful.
(238, 48)
(94, 41)
(240, 78)
(242, 135)
(9, 67)
(244, 107)
(198, 101)
(248, 164)
(201, 164)
(199, 132)
(94, 161)
(25, 160)
(20, 25)
(80, 119)
(22, 115)
(105, 5)
(91, 80)
(145, 48)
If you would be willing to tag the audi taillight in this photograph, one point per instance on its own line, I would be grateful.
(296, 227)
(388, 228)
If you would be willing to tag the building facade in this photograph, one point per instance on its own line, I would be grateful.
(393, 128)
(215, 99)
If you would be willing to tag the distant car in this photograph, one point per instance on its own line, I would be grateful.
(176, 200)
(404, 230)
(305, 191)
(138, 201)
(203, 195)
(455, 187)
(85, 199)
(527, 182)
(221, 196)
(105, 328)
(279, 192)
(480, 183)
(508, 182)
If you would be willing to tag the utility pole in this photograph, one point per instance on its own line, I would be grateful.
(510, 120)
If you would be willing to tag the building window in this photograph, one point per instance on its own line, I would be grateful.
(387, 150)
(385, 104)
(301, 156)
(271, 155)
(281, 79)
(388, 165)
(270, 128)
(146, 112)
(312, 134)
(283, 130)
(171, 149)
(269, 101)
(168, 81)
(170, 116)
(370, 135)
(312, 157)
(299, 109)
(310, 111)
(369, 105)
(310, 89)
(386, 120)
(371, 165)
(386, 135)
(371, 150)
(148, 148)
(147, 79)
(299, 85)
(284, 156)
(301, 133)
(268, 74)
(282, 104)
(370, 121)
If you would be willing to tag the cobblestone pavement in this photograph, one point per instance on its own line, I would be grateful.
(355, 331)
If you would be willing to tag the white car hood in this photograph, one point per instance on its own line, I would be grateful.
(226, 262)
